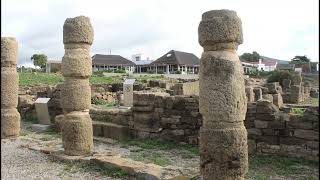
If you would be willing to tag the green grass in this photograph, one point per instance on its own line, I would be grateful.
(145, 78)
(96, 167)
(105, 80)
(298, 111)
(40, 78)
(149, 148)
(31, 79)
(262, 167)
(30, 119)
(153, 157)
(312, 101)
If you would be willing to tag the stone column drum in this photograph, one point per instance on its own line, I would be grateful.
(223, 105)
(10, 117)
(76, 92)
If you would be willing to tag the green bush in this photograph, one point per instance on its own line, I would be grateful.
(259, 74)
(97, 101)
(279, 76)
(55, 69)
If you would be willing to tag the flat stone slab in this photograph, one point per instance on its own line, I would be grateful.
(136, 169)
(40, 127)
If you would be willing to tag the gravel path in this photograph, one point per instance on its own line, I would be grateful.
(19, 163)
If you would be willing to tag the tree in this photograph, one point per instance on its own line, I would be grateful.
(302, 62)
(254, 57)
(300, 59)
(39, 60)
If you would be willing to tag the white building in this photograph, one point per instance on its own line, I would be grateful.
(266, 65)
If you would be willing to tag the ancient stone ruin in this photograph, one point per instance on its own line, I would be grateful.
(76, 91)
(10, 117)
(222, 98)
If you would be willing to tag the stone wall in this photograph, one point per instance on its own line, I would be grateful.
(174, 118)
(187, 88)
(273, 131)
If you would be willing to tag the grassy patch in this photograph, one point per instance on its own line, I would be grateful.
(105, 80)
(263, 167)
(188, 151)
(31, 79)
(31, 119)
(153, 157)
(312, 101)
(38, 78)
(298, 111)
(95, 167)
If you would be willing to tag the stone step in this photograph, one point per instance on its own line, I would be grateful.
(110, 130)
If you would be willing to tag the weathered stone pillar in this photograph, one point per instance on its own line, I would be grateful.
(223, 136)
(76, 92)
(10, 117)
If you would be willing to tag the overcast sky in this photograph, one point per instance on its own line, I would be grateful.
(279, 29)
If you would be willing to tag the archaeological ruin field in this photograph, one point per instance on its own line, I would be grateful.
(78, 123)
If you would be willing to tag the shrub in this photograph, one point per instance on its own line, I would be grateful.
(97, 101)
(55, 69)
(279, 76)
(259, 74)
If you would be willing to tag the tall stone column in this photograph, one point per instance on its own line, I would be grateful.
(223, 136)
(10, 117)
(76, 92)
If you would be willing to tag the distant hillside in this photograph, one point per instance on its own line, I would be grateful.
(273, 59)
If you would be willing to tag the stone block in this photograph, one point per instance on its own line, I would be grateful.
(252, 147)
(10, 123)
(268, 97)
(76, 63)
(306, 134)
(313, 145)
(257, 94)
(75, 95)
(231, 160)
(9, 52)
(272, 87)
(261, 124)
(291, 141)
(97, 129)
(249, 94)
(274, 140)
(77, 133)
(218, 27)
(265, 117)
(298, 123)
(9, 87)
(265, 106)
(254, 131)
(115, 131)
(264, 90)
(277, 100)
(78, 30)
(40, 127)
(286, 83)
